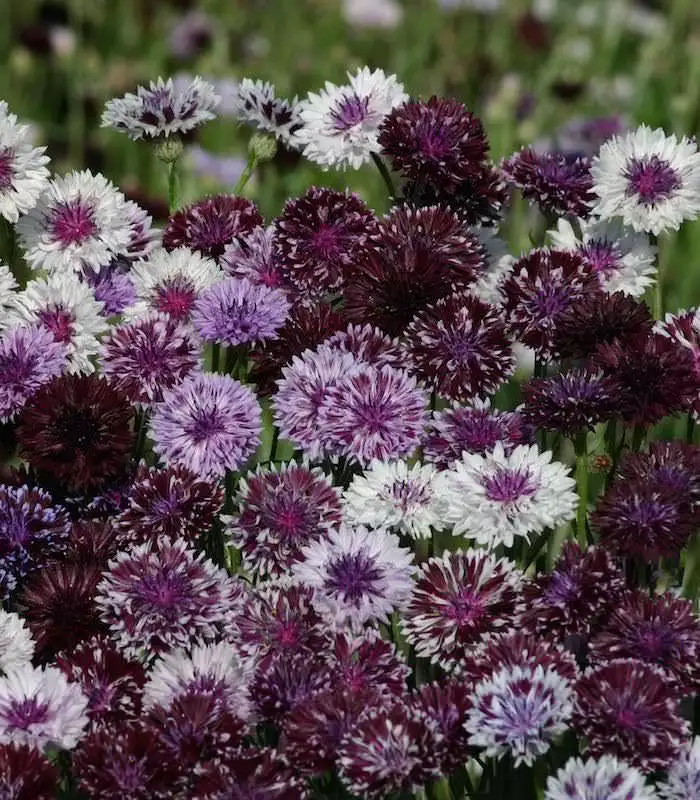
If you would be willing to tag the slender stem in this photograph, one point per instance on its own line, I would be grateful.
(215, 353)
(273, 445)
(581, 448)
(690, 429)
(173, 187)
(386, 176)
(141, 426)
(246, 175)
(433, 400)
(638, 435)
(658, 301)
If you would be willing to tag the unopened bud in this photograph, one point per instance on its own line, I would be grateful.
(262, 147)
(169, 150)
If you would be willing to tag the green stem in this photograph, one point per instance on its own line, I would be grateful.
(173, 187)
(638, 435)
(658, 300)
(581, 449)
(386, 176)
(690, 429)
(141, 426)
(246, 175)
(440, 790)
(215, 353)
(273, 446)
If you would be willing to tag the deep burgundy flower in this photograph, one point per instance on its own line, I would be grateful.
(26, 774)
(209, 225)
(656, 375)
(421, 256)
(574, 598)
(559, 184)
(369, 345)
(366, 662)
(627, 708)
(437, 142)
(318, 237)
(447, 704)
(58, 603)
(661, 630)
(597, 319)
(670, 465)
(541, 286)
(92, 542)
(459, 347)
(112, 683)
(78, 431)
(171, 501)
(571, 401)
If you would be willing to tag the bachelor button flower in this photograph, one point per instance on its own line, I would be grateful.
(684, 328)
(207, 423)
(169, 283)
(281, 511)
(446, 704)
(78, 431)
(158, 596)
(373, 413)
(112, 286)
(236, 311)
(172, 502)
(394, 495)
(560, 185)
(661, 630)
(80, 220)
(23, 172)
(68, 309)
(30, 357)
(319, 236)
(474, 428)
(16, 643)
(144, 358)
(253, 257)
(457, 599)
(519, 711)
(683, 778)
(162, 109)
(26, 774)
(8, 289)
(210, 225)
(358, 575)
(369, 345)
(367, 661)
(40, 708)
(623, 260)
(629, 709)
(256, 103)
(495, 497)
(460, 348)
(92, 541)
(340, 124)
(649, 179)
(605, 777)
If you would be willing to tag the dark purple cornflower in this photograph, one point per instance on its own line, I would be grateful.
(58, 603)
(458, 599)
(26, 774)
(112, 285)
(368, 662)
(391, 750)
(475, 428)
(210, 225)
(569, 600)
(598, 319)
(368, 345)
(421, 256)
(570, 401)
(629, 709)
(446, 704)
(459, 347)
(112, 683)
(542, 286)
(171, 501)
(374, 413)
(253, 257)
(671, 465)
(656, 375)
(684, 328)
(560, 185)
(319, 236)
(144, 358)
(236, 311)
(661, 630)
(92, 541)
(77, 430)
(125, 760)
(281, 511)
(33, 531)
(30, 358)
(437, 143)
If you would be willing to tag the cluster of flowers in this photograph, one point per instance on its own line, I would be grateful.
(265, 531)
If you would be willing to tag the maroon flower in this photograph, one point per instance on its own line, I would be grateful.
(446, 704)
(26, 774)
(669, 465)
(209, 225)
(359, 663)
(369, 345)
(92, 542)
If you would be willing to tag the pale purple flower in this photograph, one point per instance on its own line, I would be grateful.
(683, 777)
(603, 778)
(253, 257)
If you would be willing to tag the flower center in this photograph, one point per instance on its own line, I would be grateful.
(6, 170)
(562, 588)
(549, 301)
(433, 143)
(405, 494)
(60, 322)
(326, 241)
(602, 255)
(73, 223)
(27, 712)
(507, 486)
(465, 606)
(175, 298)
(76, 429)
(205, 425)
(354, 576)
(651, 179)
(654, 644)
(350, 112)
(164, 591)
(461, 348)
(290, 518)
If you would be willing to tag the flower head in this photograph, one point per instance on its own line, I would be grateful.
(163, 109)
(340, 124)
(650, 180)
(287, 681)
(253, 257)
(596, 778)
(369, 345)
(16, 643)
(447, 705)
(92, 542)
(256, 103)
(207, 423)
(357, 575)
(683, 779)
(366, 661)
(26, 774)
(112, 286)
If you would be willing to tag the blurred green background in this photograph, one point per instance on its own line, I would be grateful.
(526, 66)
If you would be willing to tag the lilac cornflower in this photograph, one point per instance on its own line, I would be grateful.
(112, 286)
(596, 778)
(253, 257)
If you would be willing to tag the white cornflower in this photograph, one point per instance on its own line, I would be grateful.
(683, 777)
(623, 260)
(80, 220)
(498, 264)
(163, 109)
(649, 179)
(23, 173)
(496, 497)
(16, 643)
(604, 778)
(394, 495)
(255, 102)
(170, 282)
(8, 290)
(67, 307)
(340, 124)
